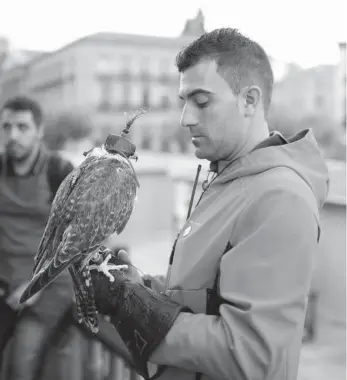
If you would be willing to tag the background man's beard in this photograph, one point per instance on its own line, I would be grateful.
(19, 157)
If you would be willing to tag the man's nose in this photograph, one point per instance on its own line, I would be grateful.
(12, 133)
(189, 118)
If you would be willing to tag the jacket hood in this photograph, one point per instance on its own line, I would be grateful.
(299, 153)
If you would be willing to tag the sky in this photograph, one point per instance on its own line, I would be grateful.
(302, 31)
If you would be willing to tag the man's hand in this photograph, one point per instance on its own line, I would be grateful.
(107, 293)
(157, 283)
(132, 273)
(141, 315)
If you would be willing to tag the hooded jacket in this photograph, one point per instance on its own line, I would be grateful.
(243, 263)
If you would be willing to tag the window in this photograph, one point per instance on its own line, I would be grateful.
(182, 139)
(168, 71)
(125, 67)
(146, 139)
(145, 97)
(165, 78)
(158, 96)
(126, 94)
(153, 66)
(144, 65)
(155, 95)
(165, 145)
(165, 102)
(105, 100)
(165, 137)
(135, 94)
(133, 65)
(115, 94)
(104, 65)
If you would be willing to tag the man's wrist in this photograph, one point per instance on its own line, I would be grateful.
(147, 281)
(156, 283)
(142, 318)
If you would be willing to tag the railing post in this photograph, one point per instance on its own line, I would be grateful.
(75, 365)
(117, 368)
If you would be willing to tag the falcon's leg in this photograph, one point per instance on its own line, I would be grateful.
(85, 302)
(104, 266)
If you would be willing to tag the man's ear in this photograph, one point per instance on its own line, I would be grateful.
(251, 99)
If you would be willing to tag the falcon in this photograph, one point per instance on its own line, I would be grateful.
(94, 201)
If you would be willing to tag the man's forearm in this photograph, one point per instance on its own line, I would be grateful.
(157, 283)
(142, 316)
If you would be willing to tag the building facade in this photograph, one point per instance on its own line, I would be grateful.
(319, 91)
(307, 92)
(341, 103)
(107, 74)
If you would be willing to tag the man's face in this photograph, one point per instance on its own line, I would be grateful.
(211, 112)
(21, 134)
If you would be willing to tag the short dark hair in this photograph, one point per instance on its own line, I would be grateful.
(241, 61)
(24, 103)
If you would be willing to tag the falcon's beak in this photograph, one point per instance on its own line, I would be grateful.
(134, 157)
(87, 152)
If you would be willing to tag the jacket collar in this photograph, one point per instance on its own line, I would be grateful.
(275, 138)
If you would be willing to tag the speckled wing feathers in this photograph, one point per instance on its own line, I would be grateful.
(92, 204)
(57, 219)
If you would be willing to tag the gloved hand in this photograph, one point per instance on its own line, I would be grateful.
(141, 316)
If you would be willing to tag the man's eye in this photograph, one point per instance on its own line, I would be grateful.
(201, 101)
(202, 104)
(22, 127)
(6, 126)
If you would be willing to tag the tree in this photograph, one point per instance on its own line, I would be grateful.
(326, 131)
(64, 126)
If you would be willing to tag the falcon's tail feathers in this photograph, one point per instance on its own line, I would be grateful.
(85, 301)
(44, 278)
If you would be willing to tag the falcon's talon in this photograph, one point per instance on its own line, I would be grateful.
(105, 268)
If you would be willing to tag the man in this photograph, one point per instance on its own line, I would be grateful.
(30, 176)
(240, 271)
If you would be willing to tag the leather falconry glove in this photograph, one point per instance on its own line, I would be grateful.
(141, 316)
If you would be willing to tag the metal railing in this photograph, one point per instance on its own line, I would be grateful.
(72, 353)
(94, 357)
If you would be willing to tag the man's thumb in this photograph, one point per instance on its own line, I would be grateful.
(124, 256)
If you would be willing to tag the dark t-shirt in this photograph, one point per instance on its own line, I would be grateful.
(25, 203)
